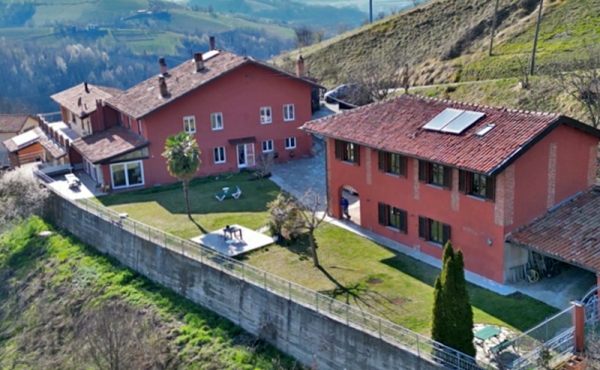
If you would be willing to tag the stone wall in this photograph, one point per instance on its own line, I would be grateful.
(299, 331)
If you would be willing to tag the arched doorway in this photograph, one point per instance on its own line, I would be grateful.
(352, 196)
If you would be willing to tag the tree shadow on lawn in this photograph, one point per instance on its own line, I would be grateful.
(518, 310)
(359, 295)
(254, 196)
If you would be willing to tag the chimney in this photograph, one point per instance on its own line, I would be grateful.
(300, 66)
(85, 86)
(101, 123)
(163, 65)
(162, 84)
(199, 62)
(212, 43)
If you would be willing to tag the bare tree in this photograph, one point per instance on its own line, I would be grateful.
(580, 78)
(378, 77)
(380, 15)
(393, 10)
(417, 2)
(319, 35)
(263, 167)
(21, 195)
(304, 36)
(313, 209)
(116, 337)
(342, 27)
(523, 72)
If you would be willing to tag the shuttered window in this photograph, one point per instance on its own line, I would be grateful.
(392, 163)
(477, 185)
(392, 217)
(347, 151)
(433, 231)
(435, 174)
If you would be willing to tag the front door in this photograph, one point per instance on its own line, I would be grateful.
(241, 155)
(245, 155)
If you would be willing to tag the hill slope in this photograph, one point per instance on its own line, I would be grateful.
(447, 40)
(48, 284)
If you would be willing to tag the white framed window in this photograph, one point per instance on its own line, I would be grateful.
(288, 112)
(290, 143)
(127, 174)
(265, 115)
(267, 146)
(189, 124)
(140, 128)
(216, 121)
(219, 154)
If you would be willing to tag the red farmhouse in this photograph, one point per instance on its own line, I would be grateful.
(236, 107)
(428, 171)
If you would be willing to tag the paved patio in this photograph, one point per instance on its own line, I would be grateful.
(251, 240)
(296, 177)
(86, 190)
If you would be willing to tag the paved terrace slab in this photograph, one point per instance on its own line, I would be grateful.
(250, 240)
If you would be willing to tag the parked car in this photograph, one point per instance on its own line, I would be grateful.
(340, 93)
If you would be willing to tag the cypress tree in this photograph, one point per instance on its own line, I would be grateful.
(452, 322)
(464, 320)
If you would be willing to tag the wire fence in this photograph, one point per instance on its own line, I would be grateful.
(350, 315)
(554, 335)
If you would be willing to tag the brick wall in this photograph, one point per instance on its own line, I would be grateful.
(504, 207)
(552, 176)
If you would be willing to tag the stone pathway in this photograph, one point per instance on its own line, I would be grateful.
(299, 176)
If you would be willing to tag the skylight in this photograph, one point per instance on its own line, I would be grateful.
(485, 130)
(25, 138)
(453, 121)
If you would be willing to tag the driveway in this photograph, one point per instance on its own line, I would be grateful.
(299, 176)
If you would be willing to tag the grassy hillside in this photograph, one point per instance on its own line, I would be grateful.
(48, 284)
(447, 40)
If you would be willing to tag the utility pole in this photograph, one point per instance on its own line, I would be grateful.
(370, 11)
(145, 65)
(494, 27)
(537, 31)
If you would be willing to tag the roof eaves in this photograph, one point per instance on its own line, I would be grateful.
(106, 160)
(286, 73)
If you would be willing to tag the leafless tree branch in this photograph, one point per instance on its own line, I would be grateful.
(580, 79)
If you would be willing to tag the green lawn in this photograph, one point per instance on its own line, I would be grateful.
(164, 208)
(355, 270)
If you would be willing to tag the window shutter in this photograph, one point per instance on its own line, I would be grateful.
(382, 161)
(422, 171)
(403, 221)
(447, 177)
(490, 188)
(356, 149)
(446, 232)
(403, 165)
(338, 149)
(382, 214)
(422, 227)
(462, 181)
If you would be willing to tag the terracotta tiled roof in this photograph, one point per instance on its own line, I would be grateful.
(12, 122)
(570, 232)
(145, 97)
(396, 125)
(50, 145)
(70, 98)
(110, 143)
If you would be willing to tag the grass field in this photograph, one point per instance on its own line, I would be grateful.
(161, 43)
(164, 208)
(48, 283)
(24, 33)
(355, 269)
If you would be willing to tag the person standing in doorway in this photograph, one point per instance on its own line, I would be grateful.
(344, 202)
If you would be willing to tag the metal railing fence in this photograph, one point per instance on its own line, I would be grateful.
(350, 315)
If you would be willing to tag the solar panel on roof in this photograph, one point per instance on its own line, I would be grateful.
(443, 119)
(462, 122)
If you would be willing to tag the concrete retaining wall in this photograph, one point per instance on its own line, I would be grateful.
(299, 331)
